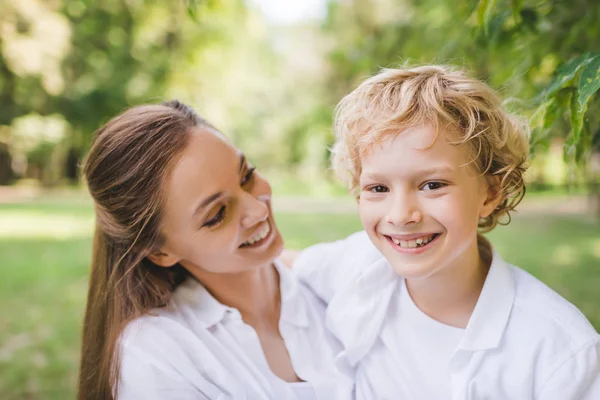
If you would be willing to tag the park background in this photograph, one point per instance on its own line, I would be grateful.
(268, 73)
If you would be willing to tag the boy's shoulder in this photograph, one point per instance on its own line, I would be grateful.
(545, 311)
(327, 267)
(359, 249)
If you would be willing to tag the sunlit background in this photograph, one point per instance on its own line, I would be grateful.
(268, 73)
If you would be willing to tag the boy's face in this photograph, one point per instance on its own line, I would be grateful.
(420, 202)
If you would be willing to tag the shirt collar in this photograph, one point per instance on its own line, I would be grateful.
(492, 311)
(357, 312)
(210, 311)
(205, 307)
(293, 304)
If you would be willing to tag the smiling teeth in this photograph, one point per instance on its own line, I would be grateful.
(259, 236)
(412, 244)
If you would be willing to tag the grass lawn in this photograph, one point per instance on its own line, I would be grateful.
(45, 251)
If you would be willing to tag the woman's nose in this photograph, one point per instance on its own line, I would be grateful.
(256, 210)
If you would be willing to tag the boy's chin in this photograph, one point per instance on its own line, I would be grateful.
(411, 270)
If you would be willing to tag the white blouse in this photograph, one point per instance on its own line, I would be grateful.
(197, 348)
(523, 341)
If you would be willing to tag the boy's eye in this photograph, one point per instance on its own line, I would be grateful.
(247, 178)
(433, 186)
(378, 189)
(220, 216)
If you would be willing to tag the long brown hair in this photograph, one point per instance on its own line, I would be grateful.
(125, 172)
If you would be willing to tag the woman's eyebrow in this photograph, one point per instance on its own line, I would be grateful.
(213, 197)
(206, 202)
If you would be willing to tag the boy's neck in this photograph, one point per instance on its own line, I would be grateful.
(449, 296)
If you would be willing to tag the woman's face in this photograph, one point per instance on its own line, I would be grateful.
(217, 216)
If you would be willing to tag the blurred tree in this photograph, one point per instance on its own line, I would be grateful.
(88, 60)
(6, 174)
(270, 87)
(543, 51)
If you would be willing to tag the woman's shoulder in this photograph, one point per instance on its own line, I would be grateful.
(177, 338)
(161, 358)
(185, 318)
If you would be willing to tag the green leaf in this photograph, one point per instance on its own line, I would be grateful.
(577, 114)
(553, 111)
(481, 7)
(529, 16)
(516, 6)
(569, 150)
(192, 6)
(589, 80)
(539, 123)
(559, 104)
(484, 14)
(566, 73)
(584, 145)
(538, 117)
(550, 110)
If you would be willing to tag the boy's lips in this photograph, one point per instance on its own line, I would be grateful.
(413, 243)
(411, 236)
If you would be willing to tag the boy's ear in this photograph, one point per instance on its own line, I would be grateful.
(163, 258)
(493, 196)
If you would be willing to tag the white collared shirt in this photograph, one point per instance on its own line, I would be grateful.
(523, 341)
(197, 348)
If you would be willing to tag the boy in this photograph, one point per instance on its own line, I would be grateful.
(424, 307)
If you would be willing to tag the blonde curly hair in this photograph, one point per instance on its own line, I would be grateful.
(397, 99)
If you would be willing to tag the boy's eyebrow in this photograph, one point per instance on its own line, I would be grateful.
(437, 170)
(443, 169)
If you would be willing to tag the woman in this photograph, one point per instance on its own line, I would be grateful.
(186, 297)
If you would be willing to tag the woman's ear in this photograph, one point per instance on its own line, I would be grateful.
(493, 198)
(163, 258)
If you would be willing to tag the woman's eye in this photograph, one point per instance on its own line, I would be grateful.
(217, 218)
(433, 185)
(378, 189)
(247, 178)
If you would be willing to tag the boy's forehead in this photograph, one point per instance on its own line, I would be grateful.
(416, 148)
(421, 137)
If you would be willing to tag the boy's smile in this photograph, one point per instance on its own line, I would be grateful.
(415, 244)
(420, 203)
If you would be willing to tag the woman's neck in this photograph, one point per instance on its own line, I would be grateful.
(450, 295)
(255, 293)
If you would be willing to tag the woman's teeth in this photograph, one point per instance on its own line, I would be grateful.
(259, 236)
(414, 243)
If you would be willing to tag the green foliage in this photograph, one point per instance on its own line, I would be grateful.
(113, 54)
(543, 52)
(484, 14)
(589, 81)
(574, 82)
(573, 86)
(262, 83)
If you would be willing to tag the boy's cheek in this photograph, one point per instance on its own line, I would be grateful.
(368, 217)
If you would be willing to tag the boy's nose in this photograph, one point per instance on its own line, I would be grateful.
(403, 211)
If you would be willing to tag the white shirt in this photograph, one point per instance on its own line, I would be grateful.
(425, 345)
(197, 348)
(523, 341)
